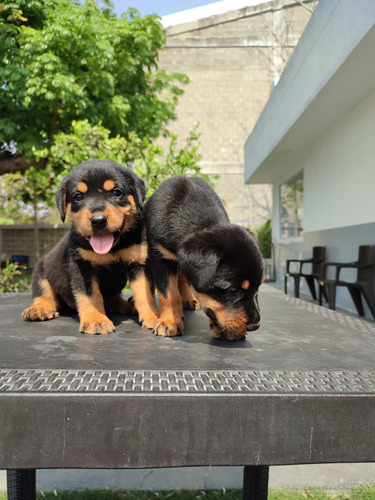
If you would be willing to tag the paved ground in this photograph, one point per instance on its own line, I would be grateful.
(330, 476)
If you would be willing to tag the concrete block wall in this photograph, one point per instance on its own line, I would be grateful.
(232, 61)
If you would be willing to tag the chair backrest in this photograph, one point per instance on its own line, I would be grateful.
(365, 257)
(319, 254)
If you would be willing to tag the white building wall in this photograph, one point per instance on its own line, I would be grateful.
(339, 173)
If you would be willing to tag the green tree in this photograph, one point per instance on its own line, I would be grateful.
(150, 161)
(157, 164)
(64, 60)
(264, 237)
(292, 201)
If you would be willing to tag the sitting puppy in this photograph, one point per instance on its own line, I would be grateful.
(199, 259)
(105, 247)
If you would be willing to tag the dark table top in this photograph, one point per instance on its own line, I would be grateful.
(301, 389)
(294, 335)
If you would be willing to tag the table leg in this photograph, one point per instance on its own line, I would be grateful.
(255, 482)
(21, 484)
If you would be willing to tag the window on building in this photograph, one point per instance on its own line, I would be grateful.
(291, 209)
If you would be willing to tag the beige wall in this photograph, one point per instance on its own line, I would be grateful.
(345, 190)
(232, 60)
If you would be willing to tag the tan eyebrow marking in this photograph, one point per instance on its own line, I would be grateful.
(82, 187)
(108, 185)
(245, 284)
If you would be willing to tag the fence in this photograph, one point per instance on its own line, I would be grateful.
(20, 240)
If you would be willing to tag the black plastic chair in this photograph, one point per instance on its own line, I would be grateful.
(316, 261)
(362, 286)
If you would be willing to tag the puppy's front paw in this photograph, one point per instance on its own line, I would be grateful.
(190, 304)
(168, 329)
(148, 320)
(41, 310)
(96, 325)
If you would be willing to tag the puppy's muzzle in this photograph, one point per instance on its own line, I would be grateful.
(211, 315)
(98, 221)
(251, 327)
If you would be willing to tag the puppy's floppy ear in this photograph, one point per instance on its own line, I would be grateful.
(199, 259)
(61, 198)
(137, 186)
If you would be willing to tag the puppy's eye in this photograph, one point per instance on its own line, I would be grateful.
(226, 289)
(78, 197)
(117, 193)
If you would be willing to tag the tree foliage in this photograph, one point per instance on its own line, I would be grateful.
(63, 61)
(158, 164)
(78, 83)
(264, 237)
(36, 188)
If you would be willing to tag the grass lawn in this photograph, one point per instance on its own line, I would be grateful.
(361, 493)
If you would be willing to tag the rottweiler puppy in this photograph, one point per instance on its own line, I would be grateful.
(105, 247)
(199, 259)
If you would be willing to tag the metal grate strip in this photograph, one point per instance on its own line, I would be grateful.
(138, 381)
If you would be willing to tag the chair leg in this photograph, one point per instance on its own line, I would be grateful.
(255, 482)
(311, 284)
(356, 297)
(370, 300)
(285, 283)
(324, 293)
(321, 293)
(331, 294)
(21, 484)
(296, 285)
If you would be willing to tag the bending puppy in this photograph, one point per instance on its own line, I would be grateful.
(105, 247)
(199, 259)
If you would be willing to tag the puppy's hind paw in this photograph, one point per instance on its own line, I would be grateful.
(119, 305)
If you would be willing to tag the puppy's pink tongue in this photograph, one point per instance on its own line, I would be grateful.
(102, 243)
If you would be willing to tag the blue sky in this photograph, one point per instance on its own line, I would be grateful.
(160, 7)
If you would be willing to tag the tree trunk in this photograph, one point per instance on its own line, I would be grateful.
(36, 230)
(17, 163)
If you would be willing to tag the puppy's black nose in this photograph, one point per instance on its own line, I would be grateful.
(251, 327)
(98, 221)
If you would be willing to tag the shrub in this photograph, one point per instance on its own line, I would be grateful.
(11, 279)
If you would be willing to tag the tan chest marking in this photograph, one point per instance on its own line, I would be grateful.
(136, 253)
(166, 254)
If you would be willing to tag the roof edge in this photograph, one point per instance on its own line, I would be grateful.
(316, 88)
(210, 14)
